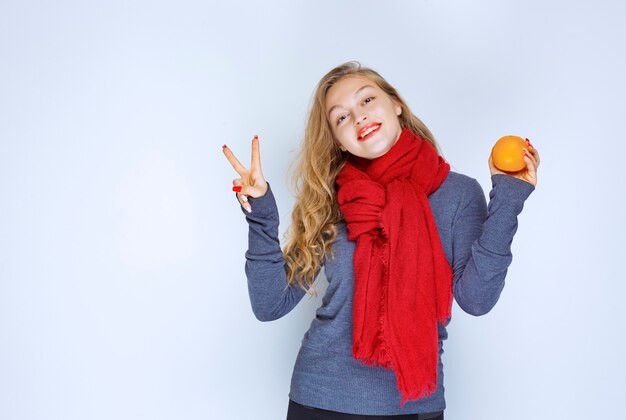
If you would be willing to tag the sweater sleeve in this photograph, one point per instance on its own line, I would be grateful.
(482, 238)
(265, 267)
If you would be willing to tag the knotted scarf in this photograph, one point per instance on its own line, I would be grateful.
(403, 281)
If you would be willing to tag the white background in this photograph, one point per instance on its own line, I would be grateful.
(122, 285)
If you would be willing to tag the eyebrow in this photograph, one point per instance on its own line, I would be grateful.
(355, 94)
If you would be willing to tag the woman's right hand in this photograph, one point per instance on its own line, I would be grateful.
(250, 182)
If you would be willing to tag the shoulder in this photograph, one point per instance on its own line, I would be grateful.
(460, 187)
(459, 180)
(465, 192)
(454, 194)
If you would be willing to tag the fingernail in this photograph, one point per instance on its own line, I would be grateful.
(249, 209)
(256, 136)
(244, 198)
(223, 146)
(237, 188)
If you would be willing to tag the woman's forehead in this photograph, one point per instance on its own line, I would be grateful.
(352, 82)
(347, 88)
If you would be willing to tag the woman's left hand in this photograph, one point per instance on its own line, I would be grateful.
(529, 173)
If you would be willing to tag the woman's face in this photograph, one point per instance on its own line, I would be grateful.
(355, 105)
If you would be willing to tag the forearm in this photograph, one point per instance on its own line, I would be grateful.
(265, 265)
(480, 276)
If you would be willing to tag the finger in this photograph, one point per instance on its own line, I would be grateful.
(243, 200)
(534, 155)
(256, 153)
(238, 186)
(533, 150)
(526, 154)
(530, 156)
(530, 164)
(531, 172)
(241, 170)
(250, 191)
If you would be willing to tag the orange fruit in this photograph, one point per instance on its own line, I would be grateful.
(507, 154)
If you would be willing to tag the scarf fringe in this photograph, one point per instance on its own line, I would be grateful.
(380, 356)
(384, 354)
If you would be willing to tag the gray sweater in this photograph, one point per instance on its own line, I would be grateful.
(476, 239)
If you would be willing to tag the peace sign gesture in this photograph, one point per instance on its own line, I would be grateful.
(251, 182)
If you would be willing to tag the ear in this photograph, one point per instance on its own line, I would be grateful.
(398, 110)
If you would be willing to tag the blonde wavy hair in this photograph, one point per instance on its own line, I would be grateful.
(319, 159)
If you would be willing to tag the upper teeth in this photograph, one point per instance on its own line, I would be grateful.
(369, 131)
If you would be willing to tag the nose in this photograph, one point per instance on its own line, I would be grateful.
(362, 117)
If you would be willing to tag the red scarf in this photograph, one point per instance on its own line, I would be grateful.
(403, 281)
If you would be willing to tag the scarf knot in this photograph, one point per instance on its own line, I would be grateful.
(402, 279)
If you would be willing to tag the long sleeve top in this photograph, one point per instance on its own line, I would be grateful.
(476, 239)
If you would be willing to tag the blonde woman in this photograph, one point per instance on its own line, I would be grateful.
(399, 236)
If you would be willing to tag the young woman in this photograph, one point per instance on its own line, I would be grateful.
(399, 235)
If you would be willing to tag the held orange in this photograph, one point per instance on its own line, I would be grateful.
(508, 155)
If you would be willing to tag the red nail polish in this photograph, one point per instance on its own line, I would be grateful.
(223, 145)
(237, 188)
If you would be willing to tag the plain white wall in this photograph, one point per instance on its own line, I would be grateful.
(122, 285)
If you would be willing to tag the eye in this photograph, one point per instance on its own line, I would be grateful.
(365, 101)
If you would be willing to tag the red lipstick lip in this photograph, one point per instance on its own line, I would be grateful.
(367, 127)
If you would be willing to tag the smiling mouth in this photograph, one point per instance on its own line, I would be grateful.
(370, 134)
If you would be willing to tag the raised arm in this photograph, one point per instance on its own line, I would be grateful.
(265, 267)
(482, 238)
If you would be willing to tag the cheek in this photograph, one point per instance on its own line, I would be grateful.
(338, 136)
(345, 135)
